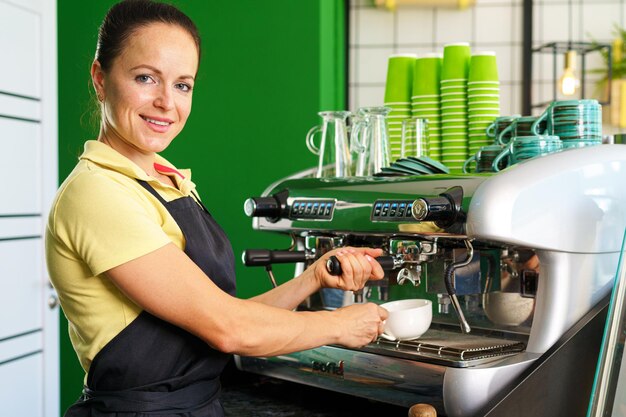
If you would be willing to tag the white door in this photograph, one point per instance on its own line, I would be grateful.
(29, 329)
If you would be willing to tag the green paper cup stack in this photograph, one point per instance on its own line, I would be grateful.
(454, 105)
(425, 102)
(398, 88)
(483, 95)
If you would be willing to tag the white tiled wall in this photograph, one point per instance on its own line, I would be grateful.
(494, 25)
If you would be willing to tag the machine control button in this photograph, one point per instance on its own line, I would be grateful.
(392, 211)
(312, 209)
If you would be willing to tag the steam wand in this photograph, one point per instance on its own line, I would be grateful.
(447, 278)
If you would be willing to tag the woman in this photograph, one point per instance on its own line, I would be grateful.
(144, 274)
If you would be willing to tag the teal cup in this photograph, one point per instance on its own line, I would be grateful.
(483, 159)
(521, 148)
(572, 144)
(571, 119)
(499, 125)
(521, 126)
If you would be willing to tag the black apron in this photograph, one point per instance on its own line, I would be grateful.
(153, 368)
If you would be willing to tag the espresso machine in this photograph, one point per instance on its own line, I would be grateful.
(511, 261)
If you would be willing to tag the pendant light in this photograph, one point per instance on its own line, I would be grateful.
(569, 81)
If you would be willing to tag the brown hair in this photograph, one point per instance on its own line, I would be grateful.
(127, 16)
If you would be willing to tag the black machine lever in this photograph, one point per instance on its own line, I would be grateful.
(333, 266)
(265, 257)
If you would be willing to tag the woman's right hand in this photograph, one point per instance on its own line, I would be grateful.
(360, 324)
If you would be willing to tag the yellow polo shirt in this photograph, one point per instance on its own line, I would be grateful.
(101, 218)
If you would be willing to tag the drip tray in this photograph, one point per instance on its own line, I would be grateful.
(448, 348)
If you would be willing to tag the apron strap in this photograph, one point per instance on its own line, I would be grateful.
(152, 191)
(187, 399)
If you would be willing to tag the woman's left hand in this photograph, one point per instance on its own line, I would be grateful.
(358, 265)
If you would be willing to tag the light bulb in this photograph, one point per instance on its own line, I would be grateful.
(569, 81)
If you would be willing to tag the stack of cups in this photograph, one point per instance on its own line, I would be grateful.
(521, 148)
(499, 127)
(483, 95)
(577, 122)
(454, 109)
(398, 87)
(425, 102)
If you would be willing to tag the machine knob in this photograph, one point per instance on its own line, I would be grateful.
(432, 209)
(444, 209)
(262, 207)
(272, 207)
(419, 210)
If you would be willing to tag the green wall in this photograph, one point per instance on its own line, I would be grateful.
(267, 69)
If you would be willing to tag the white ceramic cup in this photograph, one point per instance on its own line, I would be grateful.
(408, 319)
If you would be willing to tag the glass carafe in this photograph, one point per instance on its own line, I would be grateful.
(370, 139)
(334, 153)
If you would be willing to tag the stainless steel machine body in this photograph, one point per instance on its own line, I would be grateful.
(511, 261)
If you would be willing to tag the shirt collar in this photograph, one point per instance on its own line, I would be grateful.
(107, 157)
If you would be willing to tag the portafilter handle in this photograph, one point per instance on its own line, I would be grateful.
(265, 257)
(333, 266)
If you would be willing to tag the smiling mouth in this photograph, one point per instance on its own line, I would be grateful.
(156, 122)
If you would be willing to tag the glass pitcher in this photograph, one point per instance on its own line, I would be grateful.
(370, 139)
(334, 153)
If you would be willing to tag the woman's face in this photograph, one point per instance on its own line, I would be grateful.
(147, 91)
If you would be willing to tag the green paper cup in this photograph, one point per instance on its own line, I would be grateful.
(400, 70)
(425, 104)
(482, 84)
(427, 74)
(456, 59)
(453, 83)
(453, 94)
(424, 97)
(432, 117)
(453, 89)
(483, 67)
(483, 90)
